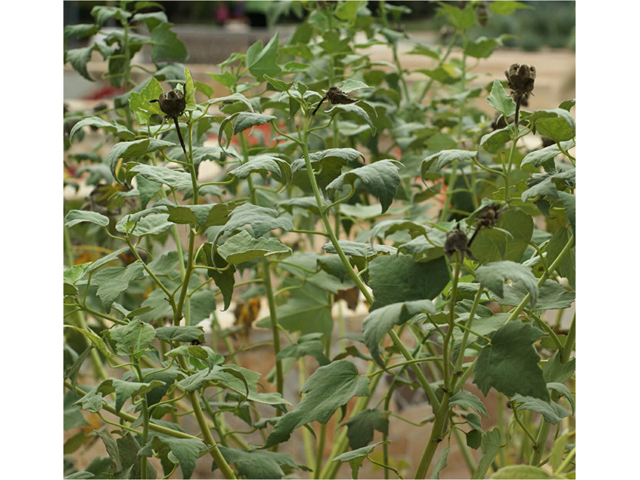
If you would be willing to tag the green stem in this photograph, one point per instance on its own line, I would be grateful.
(466, 454)
(567, 248)
(434, 438)
(145, 419)
(569, 342)
(266, 277)
(465, 335)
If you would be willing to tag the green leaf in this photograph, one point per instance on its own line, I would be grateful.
(493, 141)
(499, 100)
(95, 340)
(552, 296)
(307, 310)
(186, 450)
(425, 50)
(348, 10)
(189, 91)
(569, 204)
(327, 163)
(260, 220)
(355, 110)
(166, 45)
(483, 47)
(204, 216)
(80, 31)
(248, 119)
(180, 333)
(329, 388)
(309, 344)
(567, 266)
(361, 426)
(381, 320)
(140, 102)
(380, 179)
(231, 98)
(360, 251)
(510, 363)
(551, 411)
(460, 18)
(125, 390)
(492, 245)
(237, 379)
(440, 464)
(224, 280)
(133, 337)
(444, 158)
(555, 371)
(263, 61)
(112, 281)
(356, 457)
(544, 155)
(263, 164)
(507, 7)
(163, 175)
(491, 445)
(111, 127)
(400, 278)
(78, 58)
(351, 85)
(466, 399)
(258, 464)
(75, 217)
(104, 13)
(203, 303)
(564, 391)
(134, 149)
(494, 275)
(557, 124)
(242, 247)
(278, 85)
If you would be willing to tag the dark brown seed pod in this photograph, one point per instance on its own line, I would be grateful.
(457, 241)
(172, 103)
(338, 97)
(482, 13)
(489, 215)
(521, 79)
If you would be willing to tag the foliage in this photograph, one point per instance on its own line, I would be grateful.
(309, 203)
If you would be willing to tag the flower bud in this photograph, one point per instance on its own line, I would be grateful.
(172, 103)
(521, 79)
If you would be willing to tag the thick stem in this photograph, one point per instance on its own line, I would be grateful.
(434, 438)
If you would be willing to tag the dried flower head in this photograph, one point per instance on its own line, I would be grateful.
(457, 241)
(489, 215)
(521, 79)
(482, 13)
(336, 96)
(172, 103)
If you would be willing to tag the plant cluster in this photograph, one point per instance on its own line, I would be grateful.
(337, 178)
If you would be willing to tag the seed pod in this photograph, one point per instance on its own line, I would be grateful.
(521, 79)
(172, 103)
(457, 241)
(482, 13)
(489, 215)
(336, 96)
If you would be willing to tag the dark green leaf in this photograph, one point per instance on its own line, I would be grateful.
(510, 363)
(355, 110)
(399, 278)
(125, 390)
(186, 450)
(329, 388)
(499, 100)
(258, 464)
(491, 444)
(260, 220)
(440, 464)
(551, 411)
(75, 217)
(242, 247)
(262, 61)
(247, 120)
(380, 179)
(78, 58)
(112, 281)
(557, 124)
(133, 337)
(265, 163)
(494, 275)
(444, 158)
(167, 45)
(180, 333)
(361, 426)
(356, 457)
(380, 321)
(309, 344)
(466, 399)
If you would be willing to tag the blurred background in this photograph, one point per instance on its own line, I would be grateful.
(212, 30)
